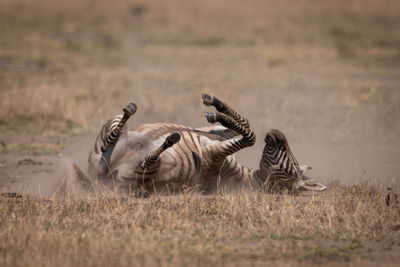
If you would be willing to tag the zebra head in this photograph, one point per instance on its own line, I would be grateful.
(280, 167)
(278, 162)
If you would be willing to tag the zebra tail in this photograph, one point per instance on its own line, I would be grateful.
(81, 177)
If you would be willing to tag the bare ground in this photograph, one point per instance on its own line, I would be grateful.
(326, 74)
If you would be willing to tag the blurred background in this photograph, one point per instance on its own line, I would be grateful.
(326, 73)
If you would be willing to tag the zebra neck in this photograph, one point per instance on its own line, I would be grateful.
(232, 171)
(260, 176)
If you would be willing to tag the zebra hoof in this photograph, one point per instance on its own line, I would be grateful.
(172, 139)
(207, 99)
(211, 117)
(130, 109)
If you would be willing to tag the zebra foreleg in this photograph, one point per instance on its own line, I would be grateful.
(224, 108)
(216, 155)
(217, 152)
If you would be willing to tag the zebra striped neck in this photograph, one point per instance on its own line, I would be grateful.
(260, 177)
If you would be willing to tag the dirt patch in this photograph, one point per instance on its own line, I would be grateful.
(325, 74)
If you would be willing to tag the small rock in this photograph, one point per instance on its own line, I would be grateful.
(395, 227)
(29, 162)
(391, 199)
(11, 195)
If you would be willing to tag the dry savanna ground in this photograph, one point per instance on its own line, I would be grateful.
(326, 73)
(346, 225)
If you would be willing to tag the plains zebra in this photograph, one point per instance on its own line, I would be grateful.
(160, 155)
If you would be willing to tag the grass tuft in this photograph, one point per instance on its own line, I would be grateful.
(339, 225)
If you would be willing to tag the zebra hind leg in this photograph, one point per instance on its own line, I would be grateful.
(151, 162)
(148, 168)
(111, 136)
(110, 144)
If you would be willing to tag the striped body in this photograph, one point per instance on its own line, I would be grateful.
(183, 164)
(162, 155)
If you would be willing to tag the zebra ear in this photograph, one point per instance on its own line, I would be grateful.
(304, 168)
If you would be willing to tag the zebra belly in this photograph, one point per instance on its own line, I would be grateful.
(181, 163)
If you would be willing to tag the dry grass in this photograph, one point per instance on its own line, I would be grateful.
(342, 225)
(80, 60)
(326, 73)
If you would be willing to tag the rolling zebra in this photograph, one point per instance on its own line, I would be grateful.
(163, 155)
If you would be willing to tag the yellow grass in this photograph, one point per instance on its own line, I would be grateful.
(326, 73)
(79, 60)
(341, 225)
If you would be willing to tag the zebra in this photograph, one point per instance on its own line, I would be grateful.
(168, 156)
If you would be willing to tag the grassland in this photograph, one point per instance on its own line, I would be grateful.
(325, 73)
(347, 225)
(60, 61)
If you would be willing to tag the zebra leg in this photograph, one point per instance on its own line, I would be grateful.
(147, 169)
(154, 157)
(222, 107)
(217, 152)
(151, 163)
(111, 133)
(216, 155)
(111, 144)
